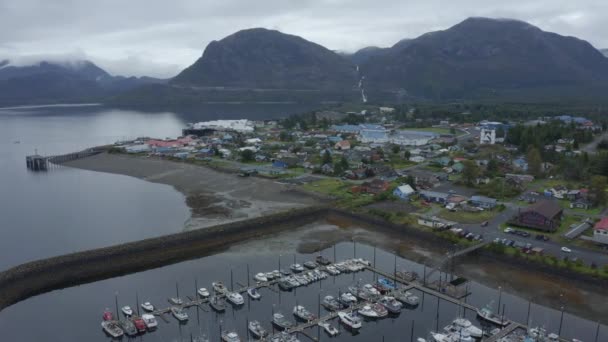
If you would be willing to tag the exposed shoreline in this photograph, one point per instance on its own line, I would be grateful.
(213, 197)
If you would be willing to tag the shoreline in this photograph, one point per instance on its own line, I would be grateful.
(213, 197)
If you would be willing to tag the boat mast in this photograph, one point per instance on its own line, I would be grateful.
(137, 302)
(116, 300)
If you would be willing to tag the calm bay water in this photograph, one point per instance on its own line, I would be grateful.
(66, 210)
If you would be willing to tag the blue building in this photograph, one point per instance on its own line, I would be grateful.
(404, 191)
(483, 202)
(279, 164)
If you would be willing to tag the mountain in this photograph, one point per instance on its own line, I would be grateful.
(362, 55)
(267, 59)
(605, 52)
(482, 57)
(53, 82)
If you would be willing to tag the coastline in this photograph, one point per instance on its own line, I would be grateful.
(213, 197)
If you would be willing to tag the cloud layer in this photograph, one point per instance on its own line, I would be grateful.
(159, 38)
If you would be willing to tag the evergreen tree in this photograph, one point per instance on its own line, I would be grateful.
(534, 162)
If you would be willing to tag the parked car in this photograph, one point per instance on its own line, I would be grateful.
(508, 230)
(566, 250)
(484, 224)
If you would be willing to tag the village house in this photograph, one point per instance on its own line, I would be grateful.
(374, 187)
(543, 215)
(424, 179)
(342, 145)
(600, 231)
(434, 196)
(404, 192)
(483, 202)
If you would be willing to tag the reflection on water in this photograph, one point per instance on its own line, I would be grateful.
(81, 307)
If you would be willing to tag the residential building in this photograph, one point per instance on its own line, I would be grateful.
(417, 159)
(434, 196)
(543, 215)
(404, 191)
(375, 187)
(342, 145)
(483, 202)
(600, 231)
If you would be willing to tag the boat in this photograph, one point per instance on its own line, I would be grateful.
(371, 290)
(203, 292)
(348, 299)
(219, 287)
(331, 304)
(107, 315)
(150, 321)
(127, 311)
(257, 330)
(230, 336)
(284, 337)
(310, 265)
(540, 334)
(407, 298)
(407, 276)
(297, 268)
(176, 301)
(293, 281)
(300, 312)
(321, 260)
(235, 298)
(329, 329)
(139, 323)
(147, 306)
(332, 270)
(367, 311)
(380, 310)
(281, 322)
(438, 337)
(465, 325)
(391, 304)
(179, 313)
(112, 328)
(284, 272)
(276, 274)
(350, 319)
(285, 284)
(269, 275)
(128, 327)
(301, 279)
(253, 293)
(217, 304)
(386, 284)
(488, 315)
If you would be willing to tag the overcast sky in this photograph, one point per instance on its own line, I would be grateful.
(159, 37)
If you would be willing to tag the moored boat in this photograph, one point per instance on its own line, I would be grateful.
(297, 268)
(128, 327)
(127, 311)
(147, 306)
(350, 319)
(230, 336)
(407, 298)
(464, 324)
(217, 304)
(380, 310)
(310, 265)
(329, 329)
(331, 303)
(281, 322)
(203, 292)
(488, 315)
(348, 299)
(284, 337)
(139, 323)
(391, 304)
(321, 260)
(253, 293)
(150, 321)
(179, 313)
(235, 298)
(176, 301)
(260, 277)
(300, 312)
(112, 328)
(257, 330)
(107, 315)
(332, 270)
(367, 311)
(219, 287)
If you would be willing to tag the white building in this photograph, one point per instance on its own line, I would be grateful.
(412, 138)
(242, 126)
(487, 136)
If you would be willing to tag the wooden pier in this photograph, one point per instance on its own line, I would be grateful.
(37, 162)
(504, 332)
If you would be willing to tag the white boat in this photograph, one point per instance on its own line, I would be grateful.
(112, 328)
(367, 311)
(438, 337)
(407, 298)
(219, 287)
(347, 298)
(203, 292)
(296, 268)
(176, 301)
(179, 313)
(300, 312)
(235, 298)
(230, 336)
(332, 270)
(329, 329)
(253, 293)
(371, 290)
(257, 330)
(127, 311)
(487, 314)
(150, 321)
(276, 274)
(261, 277)
(281, 322)
(147, 306)
(269, 275)
(350, 319)
(463, 324)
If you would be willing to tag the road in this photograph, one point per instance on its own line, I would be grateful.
(592, 146)
(493, 231)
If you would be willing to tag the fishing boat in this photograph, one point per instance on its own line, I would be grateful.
(276, 274)
(350, 319)
(391, 304)
(301, 279)
(348, 299)
(407, 276)
(139, 323)
(176, 301)
(384, 285)
(107, 315)
(540, 334)
(300, 312)
(331, 304)
(203, 292)
(281, 322)
(150, 321)
(235, 298)
(257, 330)
(293, 281)
(217, 304)
(332, 270)
(285, 284)
(179, 313)
(407, 298)
(253, 293)
(127, 311)
(219, 287)
(128, 327)
(112, 328)
(371, 290)
(380, 310)
(329, 329)
(488, 315)
(321, 260)
(463, 324)
(147, 306)
(297, 268)
(269, 275)
(367, 311)
(310, 265)
(359, 292)
(230, 336)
